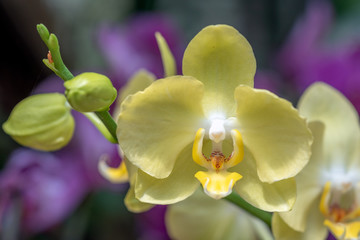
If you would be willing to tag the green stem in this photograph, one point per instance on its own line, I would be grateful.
(237, 200)
(65, 73)
(100, 126)
(60, 69)
(108, 121)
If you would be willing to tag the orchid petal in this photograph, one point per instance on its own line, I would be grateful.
(179, 185)
(314, 230)
(297, 218)
(155, 125)
(167, 57)
(138, 82)
(133, 204)
(273, 131)
(221, 58)
(308, 187)
(211, 219)
(323, 103)
(278, 196)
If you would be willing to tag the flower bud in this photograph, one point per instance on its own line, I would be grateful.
(90, 92)
(42, 122)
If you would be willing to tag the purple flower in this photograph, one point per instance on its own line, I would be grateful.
(267, 79)
(306, 58)
(152, 224)
(133, 46)
(49, 186)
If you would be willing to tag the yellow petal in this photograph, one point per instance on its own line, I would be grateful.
(298, 216)
(217, 185)
(166, 56)
(197, 150)
(278, 196)
(352, 230)
(237, 154)
(337, 229)
(315, 230)
(114, 175)
(323, 103)
(282, 231)
(273, 131)
(138, 82)
(324, 200)
(212, 220)
(221, 58)
(308, 185)
(315, 165)
(345, 231)
(155, 125)
(133, 204)
(179, 185)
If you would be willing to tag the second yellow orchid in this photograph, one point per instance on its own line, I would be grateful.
(329, 186)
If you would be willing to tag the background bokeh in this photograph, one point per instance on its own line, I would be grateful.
(295, 43)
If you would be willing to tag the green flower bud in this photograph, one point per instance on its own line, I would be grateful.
(90, 92)
(42, 122)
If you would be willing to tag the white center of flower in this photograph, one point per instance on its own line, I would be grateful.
(217, 130)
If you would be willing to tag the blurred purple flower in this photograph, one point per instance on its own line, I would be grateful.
(133, 46)
(306, 58)
(152, 224)
(267, 79)
(49, 187)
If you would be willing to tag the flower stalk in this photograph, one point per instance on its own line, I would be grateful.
(260, 214)
(56, 64)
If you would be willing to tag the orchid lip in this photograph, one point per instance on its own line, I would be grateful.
(217, 182)
(341, 215)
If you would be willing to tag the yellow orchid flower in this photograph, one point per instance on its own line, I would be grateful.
(328, 188)
(212, 119)
(210, 219)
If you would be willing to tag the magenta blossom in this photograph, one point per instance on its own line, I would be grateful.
(152, 224)
(133, 46)
(48, 187)
(306, 58)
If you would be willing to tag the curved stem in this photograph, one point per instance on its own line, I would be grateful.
(56, 64)
(262, 215)
(100, 126)
(109, 122)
